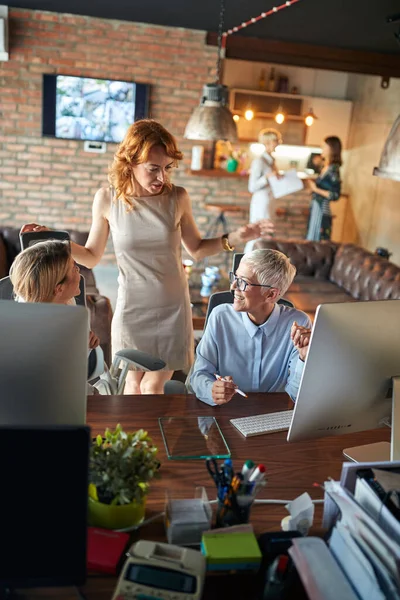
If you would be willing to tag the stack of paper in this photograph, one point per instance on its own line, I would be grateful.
(365, 536)
(288, 183)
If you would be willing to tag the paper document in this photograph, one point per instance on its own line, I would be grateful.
(287, 184)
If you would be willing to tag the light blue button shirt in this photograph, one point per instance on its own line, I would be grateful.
(260, 358)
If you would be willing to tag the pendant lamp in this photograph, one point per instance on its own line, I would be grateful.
(389, 164)
(212, 120)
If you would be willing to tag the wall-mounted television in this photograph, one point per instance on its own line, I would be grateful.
(84, 108)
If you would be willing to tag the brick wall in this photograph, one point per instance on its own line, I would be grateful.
(53, 181)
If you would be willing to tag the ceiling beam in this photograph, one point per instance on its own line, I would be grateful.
(308, 55)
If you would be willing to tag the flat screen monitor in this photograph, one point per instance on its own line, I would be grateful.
(43, 365)
(43, 503)
(349, 376)
(84, 108)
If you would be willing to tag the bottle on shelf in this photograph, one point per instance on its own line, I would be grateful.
(262, 82)
(272, 81)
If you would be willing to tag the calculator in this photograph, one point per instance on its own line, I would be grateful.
(155, 571)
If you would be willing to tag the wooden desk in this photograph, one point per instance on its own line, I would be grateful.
(291, 468)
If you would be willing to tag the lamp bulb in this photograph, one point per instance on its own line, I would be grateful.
(249, 115)
(236, 118)
(279, 118)
(309, 120)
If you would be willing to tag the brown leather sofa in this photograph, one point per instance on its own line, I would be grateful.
(329, 272)
(99, 306)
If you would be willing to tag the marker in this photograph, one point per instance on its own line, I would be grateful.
(258, 474)
(237, 389)
(227, 470)
(247, 469)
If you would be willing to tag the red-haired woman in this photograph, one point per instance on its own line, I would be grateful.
(149, 219)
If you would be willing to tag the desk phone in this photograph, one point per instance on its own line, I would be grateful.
(155, 571)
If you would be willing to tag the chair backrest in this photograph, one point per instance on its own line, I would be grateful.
(6, 289)
(236, 260)
(32, 237)
(215, 300)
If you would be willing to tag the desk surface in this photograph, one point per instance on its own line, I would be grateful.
(291, 468)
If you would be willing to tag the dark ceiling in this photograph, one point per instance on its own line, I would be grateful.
(351, 24)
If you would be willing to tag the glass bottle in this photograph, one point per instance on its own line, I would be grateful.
(262, 82)
(271, 81)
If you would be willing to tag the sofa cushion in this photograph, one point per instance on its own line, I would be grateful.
(313, 259)
(364, 275)
(309, 293)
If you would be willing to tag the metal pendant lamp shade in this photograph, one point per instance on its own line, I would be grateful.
(389, 165)
(212, 120)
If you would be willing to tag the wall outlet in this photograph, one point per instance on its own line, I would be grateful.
(99, 147)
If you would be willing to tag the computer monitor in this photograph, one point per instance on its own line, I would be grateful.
(43, 364)
(43, 503)
(351, 373)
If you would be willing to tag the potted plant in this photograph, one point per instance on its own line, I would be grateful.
(120, 467)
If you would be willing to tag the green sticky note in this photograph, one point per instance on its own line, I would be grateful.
(221, 548)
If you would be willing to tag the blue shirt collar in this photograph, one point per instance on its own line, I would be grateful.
(267, 328)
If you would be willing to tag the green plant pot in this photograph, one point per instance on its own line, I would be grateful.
(111, 516)
(231, 165)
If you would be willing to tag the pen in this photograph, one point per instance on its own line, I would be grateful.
(258, 474)
(247, 469)
(237, 389)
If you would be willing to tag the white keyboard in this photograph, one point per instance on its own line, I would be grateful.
(260, 424)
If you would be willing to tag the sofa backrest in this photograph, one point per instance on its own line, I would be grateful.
(311, 259)
(364, 275)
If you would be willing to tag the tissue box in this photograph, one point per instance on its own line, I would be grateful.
(187, 518)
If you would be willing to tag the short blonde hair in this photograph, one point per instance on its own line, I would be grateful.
(37, 271)
(134, 149)
(269, 134)
(272, 268)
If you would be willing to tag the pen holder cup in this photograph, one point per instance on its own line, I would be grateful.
(235, 514)
(187, 518)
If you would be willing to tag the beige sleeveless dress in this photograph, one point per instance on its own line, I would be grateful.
(153, 312)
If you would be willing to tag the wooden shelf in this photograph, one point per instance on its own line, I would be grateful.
(224, 207)
(215, 173)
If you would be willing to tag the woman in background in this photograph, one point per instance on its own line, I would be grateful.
(325, 189)
(150, 219)
(46, 272)
(262, 168)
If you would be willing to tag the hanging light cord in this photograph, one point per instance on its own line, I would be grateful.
(220, 33)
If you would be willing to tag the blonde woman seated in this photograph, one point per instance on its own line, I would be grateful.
(46, 272)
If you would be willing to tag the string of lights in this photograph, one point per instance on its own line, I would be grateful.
(280, 116)
(253, 20)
